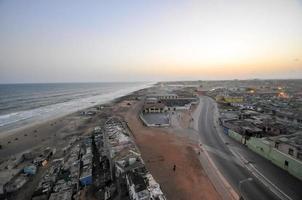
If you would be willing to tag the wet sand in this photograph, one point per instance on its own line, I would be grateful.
(161, 148)
(54, 132)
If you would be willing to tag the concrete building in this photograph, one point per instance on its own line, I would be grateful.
(178, 104)
(137, 186)
(5, 177)
(63, 195)
(164, 96)
(16, 183)
(289, 144)
(126, 163)
(230, 99)
(154, 108)
(151, 100)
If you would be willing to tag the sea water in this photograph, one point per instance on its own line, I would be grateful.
(22, 104)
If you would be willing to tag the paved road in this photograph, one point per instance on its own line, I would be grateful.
(224, 153)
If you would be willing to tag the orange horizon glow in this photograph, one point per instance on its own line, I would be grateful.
(158, 40)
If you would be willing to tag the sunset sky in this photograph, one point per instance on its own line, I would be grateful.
(79, 41)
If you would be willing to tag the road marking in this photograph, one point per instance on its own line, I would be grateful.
(222, 154)
(265, 181)
(233, 194)
(228, 187)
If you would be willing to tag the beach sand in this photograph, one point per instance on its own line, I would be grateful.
(55, 132)
(45, 134)
(162, 148)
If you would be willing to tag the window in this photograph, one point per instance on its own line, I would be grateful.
(299, 156)
(290, 151)
(286, 163)
(276, 145)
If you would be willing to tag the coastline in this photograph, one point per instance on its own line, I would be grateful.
(24, 118)
(160, 147)
(51, 132)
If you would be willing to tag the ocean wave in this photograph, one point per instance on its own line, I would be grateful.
(61, 109)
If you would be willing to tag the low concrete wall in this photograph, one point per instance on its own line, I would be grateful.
(152, 125)
(258, 146)
(235, 136)
(294, 166)
(265, 149)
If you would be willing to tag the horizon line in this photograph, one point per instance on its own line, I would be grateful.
(159, 81)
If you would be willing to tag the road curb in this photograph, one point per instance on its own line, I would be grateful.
(232, 194)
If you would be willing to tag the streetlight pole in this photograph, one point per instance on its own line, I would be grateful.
(242, 195)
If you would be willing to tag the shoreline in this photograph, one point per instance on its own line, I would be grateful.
(10, 129)
(50, 131)
(160, 148)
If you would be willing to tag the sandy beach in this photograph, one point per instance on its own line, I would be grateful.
(55, 132)
(161, 148)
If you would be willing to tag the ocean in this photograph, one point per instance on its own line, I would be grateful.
(22, 104)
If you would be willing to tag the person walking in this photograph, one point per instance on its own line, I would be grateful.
(174, 168)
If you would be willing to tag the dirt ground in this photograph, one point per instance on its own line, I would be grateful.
(161, 150)
(53, 133)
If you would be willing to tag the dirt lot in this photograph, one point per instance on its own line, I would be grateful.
(161, 149)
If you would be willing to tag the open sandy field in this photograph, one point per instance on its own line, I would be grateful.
(161, 149)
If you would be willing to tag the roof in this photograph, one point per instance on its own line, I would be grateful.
(155, 105)
(137, 180)
(292, 139)
(162, 95)
(7, 175)
(87, 171)
(176, 102)
(63, 195)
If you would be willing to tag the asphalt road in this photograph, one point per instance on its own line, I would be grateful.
(240, 178)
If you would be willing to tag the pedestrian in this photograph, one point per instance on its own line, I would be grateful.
(174, 168)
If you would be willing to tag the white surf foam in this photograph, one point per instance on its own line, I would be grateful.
(61, 109)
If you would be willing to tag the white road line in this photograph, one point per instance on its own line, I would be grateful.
(264, 180)
(229, 188)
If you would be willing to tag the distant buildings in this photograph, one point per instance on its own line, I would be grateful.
(157, 107)
(163, 96)
(265, 120)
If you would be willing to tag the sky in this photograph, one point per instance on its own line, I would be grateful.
(149, 40)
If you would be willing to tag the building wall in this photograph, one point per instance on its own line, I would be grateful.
(153, 125)
(233, 99)
(294, 166)
(168, 97)
(229, 99)
(154, 110)
(173, 108)
(283, 147)
(235, 136)
(256, 145)
(265, 149)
